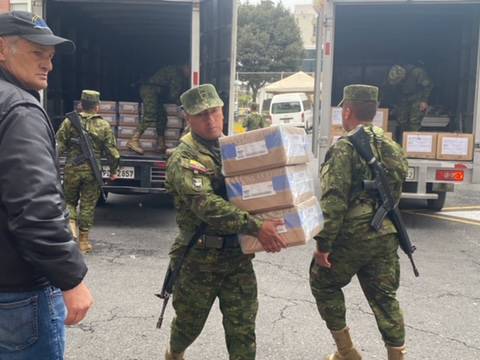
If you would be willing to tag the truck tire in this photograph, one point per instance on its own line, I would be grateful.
(437, 204)
(102, 200)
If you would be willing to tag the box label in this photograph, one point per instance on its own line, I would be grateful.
(296, 145)
(454, 146)
(250, 150)
(258, 190)
(419, 143)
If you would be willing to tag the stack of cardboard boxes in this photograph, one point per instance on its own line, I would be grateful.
(440, 146)
(266, 175)
(175, 126)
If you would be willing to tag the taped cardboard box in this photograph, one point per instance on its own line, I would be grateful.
(455, 146)
(420, 145)
(110, 117)
(380, 119)
(174, 122)
(171, 109)
(300, 224)
(273, 189)
(172, 134)
(150, 133)
(148, 145)
(126, 132)
(108, 107)
(128, 119)
(128, 107)
(170, 144)
(262, 149)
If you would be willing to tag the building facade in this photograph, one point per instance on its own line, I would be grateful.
(306, 18)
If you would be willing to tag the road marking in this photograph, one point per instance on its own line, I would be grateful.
(469, 215)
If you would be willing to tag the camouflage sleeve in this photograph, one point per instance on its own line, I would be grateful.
(111, 150)
(63, 135)
(425, 84)
(335, 183)
(195, 190)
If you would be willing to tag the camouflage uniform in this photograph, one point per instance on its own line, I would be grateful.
(79, 181)
(355, 248)
(414, 87)
(254, 121)
(194, 178)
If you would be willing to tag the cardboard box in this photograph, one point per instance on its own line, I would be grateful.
(421, 145)
(263, 149)
(149, 145)
(110, 117)
(150, 133)
(380, 119)
(300, 224)
(126, 132)
(172, 134)
(128, 107)
(128, 119)
(273, 189)
(171, 109)
(108, 107)
(170, 144)
(174, 122)
(455, 146)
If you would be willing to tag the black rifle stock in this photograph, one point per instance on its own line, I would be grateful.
(172, 275)
(380, 187)
(87, 149)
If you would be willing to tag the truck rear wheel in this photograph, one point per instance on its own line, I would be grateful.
(437, 204)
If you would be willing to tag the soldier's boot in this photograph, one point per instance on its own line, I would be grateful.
(396, 353)
(73, 229)
(345, 348)
(161, 148)
(84, 242)
(134, 143)
(174, 356)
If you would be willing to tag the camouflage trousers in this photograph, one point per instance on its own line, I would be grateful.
(208, 274)
(154, 114)
(409, 115)
(80, 186)
(375, 262)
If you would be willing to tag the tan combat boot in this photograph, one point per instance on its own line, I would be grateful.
(174, 356)
(396, 353)
(345, 348)
(161, 148)
(85, 245)
(134, 143)
(73, 229)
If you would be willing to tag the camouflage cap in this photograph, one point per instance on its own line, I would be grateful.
(360, 93)
(199, 99)
(396, 74)
(90, 95)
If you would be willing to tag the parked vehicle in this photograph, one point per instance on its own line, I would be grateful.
(293, 109)
(121, 43)
(362, 39)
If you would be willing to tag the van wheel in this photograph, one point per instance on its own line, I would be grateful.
(437, 204)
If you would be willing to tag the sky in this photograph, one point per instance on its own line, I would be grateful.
(288, 3)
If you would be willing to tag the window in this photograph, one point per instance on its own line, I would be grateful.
(19, 5)
(286, 107)
(307, 105)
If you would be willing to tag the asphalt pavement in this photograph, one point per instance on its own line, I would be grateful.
(132, 236)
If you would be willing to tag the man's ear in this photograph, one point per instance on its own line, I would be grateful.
(3, 48)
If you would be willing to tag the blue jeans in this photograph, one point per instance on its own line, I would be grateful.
(32, 325)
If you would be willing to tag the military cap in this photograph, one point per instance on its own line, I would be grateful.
(396, 74)
(90, 95)
(360, 93)
(199, 99)
(33, 28)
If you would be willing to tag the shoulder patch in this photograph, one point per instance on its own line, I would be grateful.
(195, 166)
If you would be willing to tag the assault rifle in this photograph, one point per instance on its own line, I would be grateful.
(172, 275)
(87, 149)
(380, 188)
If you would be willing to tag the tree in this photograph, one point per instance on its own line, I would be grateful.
(268, 41)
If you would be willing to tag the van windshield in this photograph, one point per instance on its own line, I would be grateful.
(286, 107)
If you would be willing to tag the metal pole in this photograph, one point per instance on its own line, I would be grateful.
(318, 82)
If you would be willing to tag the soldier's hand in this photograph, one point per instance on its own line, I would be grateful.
(113, 177)
(423, 106)
(321, 258)
(269, 237)
(77, 301)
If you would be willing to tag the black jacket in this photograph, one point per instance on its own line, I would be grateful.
(36, 246)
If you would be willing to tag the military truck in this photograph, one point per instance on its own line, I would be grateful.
(120, 42)
(359, 40)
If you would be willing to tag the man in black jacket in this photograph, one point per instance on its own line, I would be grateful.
(39, 260)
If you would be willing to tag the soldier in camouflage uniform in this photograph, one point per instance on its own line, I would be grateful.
(254, 120)
(79, 181)
(164, 87)
(348, 245)
(412, 87)
(216, 266)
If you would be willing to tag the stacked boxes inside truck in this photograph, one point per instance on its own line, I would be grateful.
(175, 126)
(129, 116)
(267, 175)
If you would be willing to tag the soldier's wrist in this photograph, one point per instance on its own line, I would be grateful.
(253, 226)
(323, 246)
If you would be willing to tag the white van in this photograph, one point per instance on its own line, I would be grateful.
(293, 109)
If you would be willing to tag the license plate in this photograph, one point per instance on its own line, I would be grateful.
(410, 173)
(124, 172)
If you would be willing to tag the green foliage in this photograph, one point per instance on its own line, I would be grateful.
(268, 41)
(244, 100)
